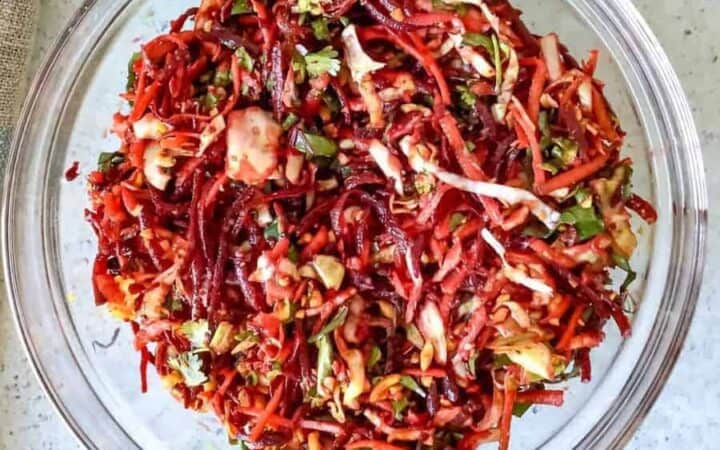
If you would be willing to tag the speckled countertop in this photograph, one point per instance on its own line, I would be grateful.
(682, 416)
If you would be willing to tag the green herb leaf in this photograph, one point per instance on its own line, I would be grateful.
(565, 151)
(196, 331)
(293, 254)
(222, 78)
(310, 6)
(246, 61)
(472, 363)
(583, 197)
(501, 360)
(413, 335)
(622, 263)
(272, 231)
(519, 409)
(209, 101)
(409, 382)
(399, 406)
(240, 7)
(457, 220)
(109, 159)
(315, 145)
(298, 65)
(131, 78)
(585, 220)
(323, 61)
(478, 40)
(468, 99)
(324, 358)
(290, 120)
(190, 367)
(320, 28)
(173, 304)
(545, 133)
(252, 378)
(335, 322)
(374, 357)
(537, 229)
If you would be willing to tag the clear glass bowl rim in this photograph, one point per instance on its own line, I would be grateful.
(628, 33)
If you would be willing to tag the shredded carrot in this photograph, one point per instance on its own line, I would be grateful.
(573, 176)
(569, 332)
(537, 86)
(269, 410)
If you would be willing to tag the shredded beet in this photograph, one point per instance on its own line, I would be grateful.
(73, 171)
(362, 224)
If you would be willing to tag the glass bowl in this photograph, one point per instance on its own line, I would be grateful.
(84, 358)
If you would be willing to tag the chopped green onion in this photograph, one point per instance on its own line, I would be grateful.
(478, 40)
(324, 360)
(622, 263)
(497, 57)
(374, 357)
(409, 382)
(335, 322)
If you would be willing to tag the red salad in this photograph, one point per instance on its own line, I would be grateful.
(373, 224)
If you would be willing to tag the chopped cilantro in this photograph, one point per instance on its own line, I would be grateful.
(240, 7)
(290, 120)
(320, 28)
(399, 406)
(272, 231)
(209, 101)
(323, 61)
(623, 264)
(196, 331)
(519, 409)
(190, 367)
(109, 159)
(585, 220)
(222, 78)
(246, 61)
(467, 98)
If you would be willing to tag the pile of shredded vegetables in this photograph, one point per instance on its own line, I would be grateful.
(363, 224)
